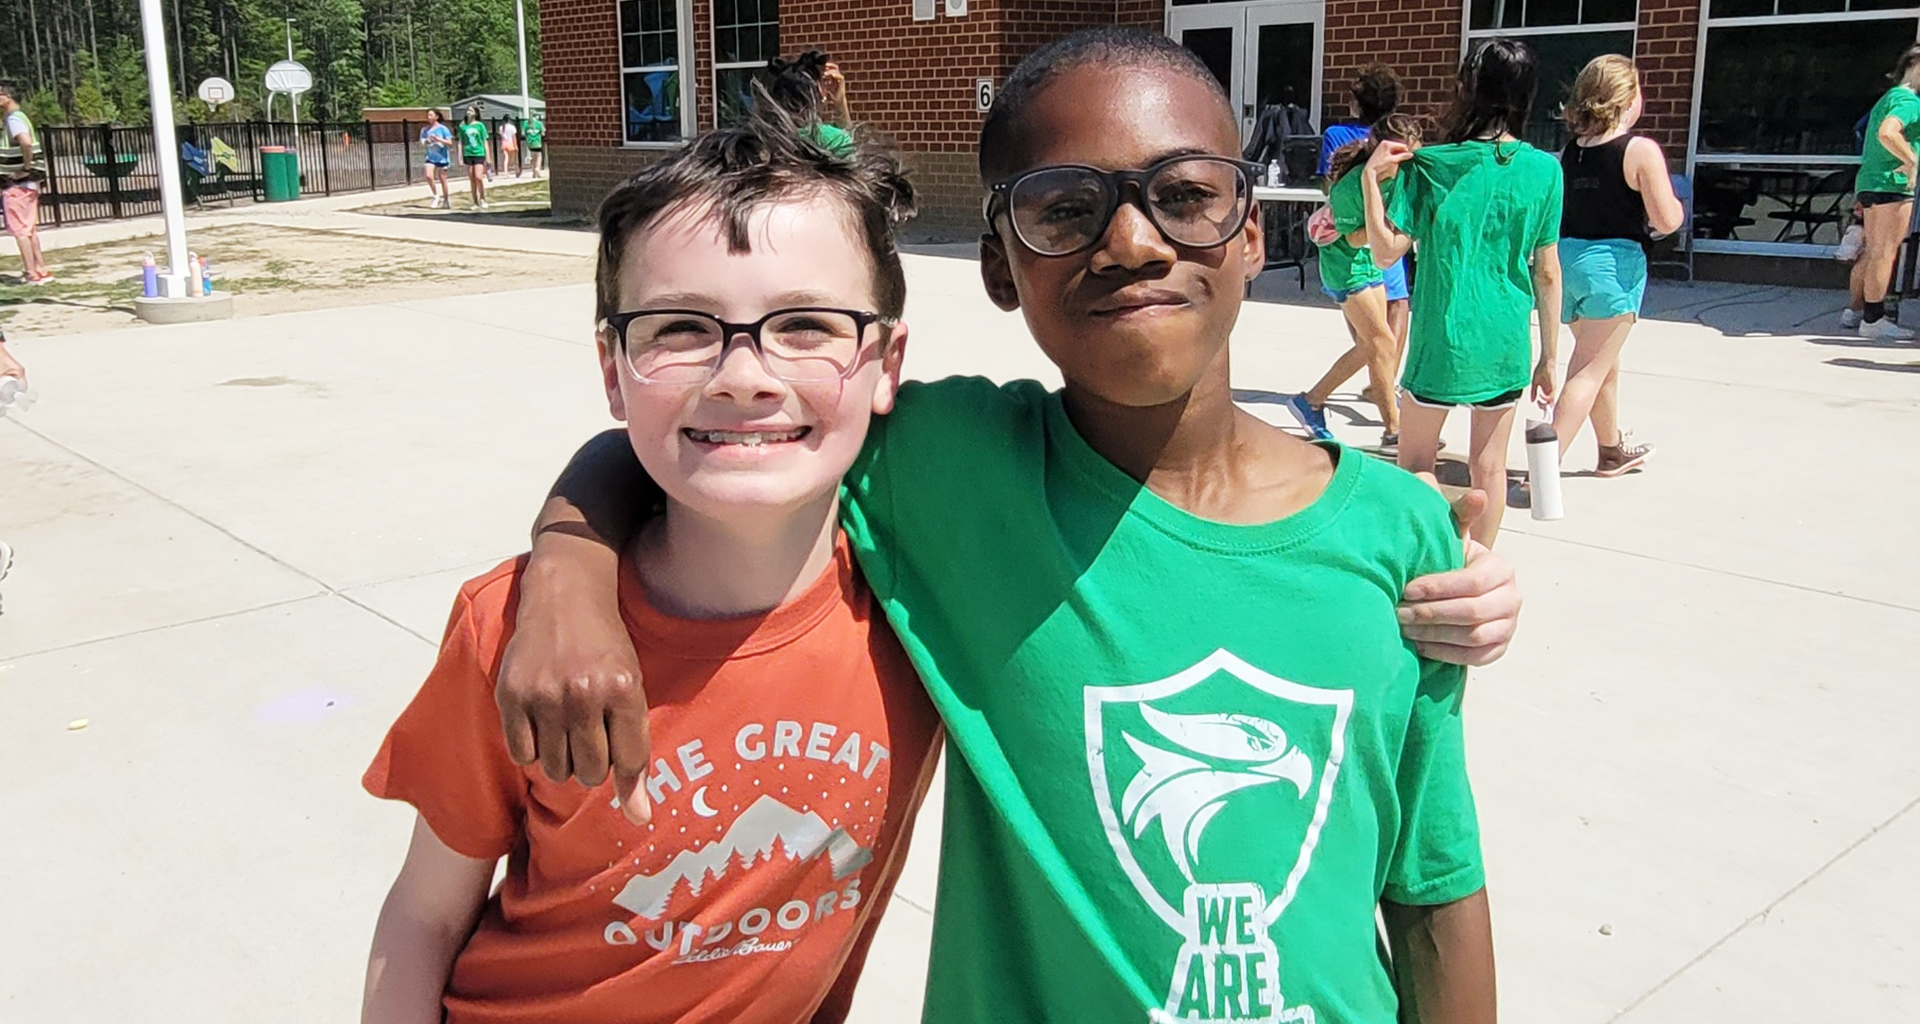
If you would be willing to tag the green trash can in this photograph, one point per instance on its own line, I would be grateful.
(279, 173)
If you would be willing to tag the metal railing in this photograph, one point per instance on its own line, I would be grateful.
(104, 172)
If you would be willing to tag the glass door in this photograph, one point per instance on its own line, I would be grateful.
(1264, 54)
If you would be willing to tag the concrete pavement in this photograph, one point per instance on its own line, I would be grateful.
(1697, 771)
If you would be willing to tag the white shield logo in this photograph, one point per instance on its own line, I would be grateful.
(1210, 752)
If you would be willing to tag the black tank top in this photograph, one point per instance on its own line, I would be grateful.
(1598, 203)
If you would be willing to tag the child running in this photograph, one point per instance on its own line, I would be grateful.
(1486, 209)
(1617, 188)
(438, 140)
(1376, 95)
(1194, 755)
(749, 298)
(1348, 274)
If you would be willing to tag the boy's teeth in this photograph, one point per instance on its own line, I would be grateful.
(756, 437)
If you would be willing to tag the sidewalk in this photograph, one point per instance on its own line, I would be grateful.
(237, 543)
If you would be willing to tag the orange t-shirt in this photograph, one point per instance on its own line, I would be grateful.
(791, 752)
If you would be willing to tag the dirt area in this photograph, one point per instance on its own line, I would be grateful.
(276, 269)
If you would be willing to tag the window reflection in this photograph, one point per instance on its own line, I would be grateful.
(1809, 203)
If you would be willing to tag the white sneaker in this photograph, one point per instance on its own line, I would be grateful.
(483, 204)
(1885, 329)
(1850, 318)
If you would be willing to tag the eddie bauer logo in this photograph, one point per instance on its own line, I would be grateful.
(1194, 799)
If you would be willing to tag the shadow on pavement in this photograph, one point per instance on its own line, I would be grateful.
(1869, 364)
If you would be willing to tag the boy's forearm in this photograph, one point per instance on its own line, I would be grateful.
(601, 495)
(1443, 961)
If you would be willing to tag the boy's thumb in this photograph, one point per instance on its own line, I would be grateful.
(1467, 510)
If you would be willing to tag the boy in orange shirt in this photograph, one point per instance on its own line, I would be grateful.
(748, 295)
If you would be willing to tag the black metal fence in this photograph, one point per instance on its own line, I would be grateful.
(103, 172)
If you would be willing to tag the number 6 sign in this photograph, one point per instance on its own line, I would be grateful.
(982, 95)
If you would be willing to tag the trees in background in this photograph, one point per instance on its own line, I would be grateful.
(80, 61)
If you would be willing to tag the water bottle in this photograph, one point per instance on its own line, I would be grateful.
(14, 395)
(149, 278)
(193, 274)
(1543, 469)
(206, 277)
(1276, 176)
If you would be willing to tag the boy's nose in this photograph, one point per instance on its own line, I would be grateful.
(742, 376)
(1132, 241)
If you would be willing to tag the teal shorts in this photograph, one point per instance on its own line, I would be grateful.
(1602, 279)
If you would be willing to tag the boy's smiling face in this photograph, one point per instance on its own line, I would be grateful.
(746, 441)
(1135, 320)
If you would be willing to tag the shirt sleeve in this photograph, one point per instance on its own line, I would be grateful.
(1547, 231)
(446, 755)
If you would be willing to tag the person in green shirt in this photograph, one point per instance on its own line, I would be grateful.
(1486, 209)
(812, 89)
(1194, 752)
(535, 133)
(473, 152)
(1349, 276)
(1884, 189)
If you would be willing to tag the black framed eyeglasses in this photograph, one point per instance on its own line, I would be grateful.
(1199, 202)
(801, 344)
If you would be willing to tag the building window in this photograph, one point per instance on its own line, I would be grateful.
(1784, 88)
(746, 35)
(650, 65)
(1564, 35)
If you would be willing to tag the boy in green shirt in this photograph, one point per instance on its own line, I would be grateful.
(1194, 755)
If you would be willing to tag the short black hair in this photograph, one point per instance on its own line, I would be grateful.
(1497, 84)
(764, 158)
(1376, 91)
(9, 89)
(1107, 46)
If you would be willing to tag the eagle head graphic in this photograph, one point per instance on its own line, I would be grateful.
(1184, 792)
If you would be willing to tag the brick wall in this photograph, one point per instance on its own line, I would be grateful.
(580, 66)
(1419, 39)
(1665, 47)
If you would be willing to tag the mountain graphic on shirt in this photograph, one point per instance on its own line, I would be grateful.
(754, 836)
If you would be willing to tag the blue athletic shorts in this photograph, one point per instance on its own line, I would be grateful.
(1601, 279)
(1397, 280)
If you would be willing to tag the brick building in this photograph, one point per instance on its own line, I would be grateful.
(1755, 99)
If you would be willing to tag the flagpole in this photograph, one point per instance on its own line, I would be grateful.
(173, 283)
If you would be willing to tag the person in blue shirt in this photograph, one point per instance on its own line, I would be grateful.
(1375, 93)
(438, 139)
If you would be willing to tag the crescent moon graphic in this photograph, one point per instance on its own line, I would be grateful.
(700, 806)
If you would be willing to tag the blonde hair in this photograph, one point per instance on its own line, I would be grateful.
(1601, 95)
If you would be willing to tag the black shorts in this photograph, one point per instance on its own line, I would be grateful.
(1506, 401)
(473, 161)
(531, 148)
(1869, 199)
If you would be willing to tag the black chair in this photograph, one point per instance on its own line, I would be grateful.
(1285, 225)
(1719, 208)
(1826, 202)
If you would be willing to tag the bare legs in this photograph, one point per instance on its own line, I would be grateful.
(477, 183)
(437, 183)
(1592, 389)
(1376, 346)
(1491, 430)
(1886, 226)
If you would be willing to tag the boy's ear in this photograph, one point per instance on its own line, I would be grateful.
(996, 272)
(610, 375)
(1253, 244)
(891, 359)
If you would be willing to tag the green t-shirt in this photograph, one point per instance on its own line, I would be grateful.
(1188, 758)
(1479, 211)
(1880, 169)
(473, 138)
(1345, 267)
(832, 138)
(536, 132)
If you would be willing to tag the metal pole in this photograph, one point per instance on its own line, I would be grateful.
(173, 283)
(520, 23)
(293, 97)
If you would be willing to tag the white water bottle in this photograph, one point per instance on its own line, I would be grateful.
(1275, 176)
(1543, 469)
(14, 395)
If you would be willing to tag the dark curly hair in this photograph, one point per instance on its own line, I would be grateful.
(1411, 129)
(736, 170)
(1376, 92)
